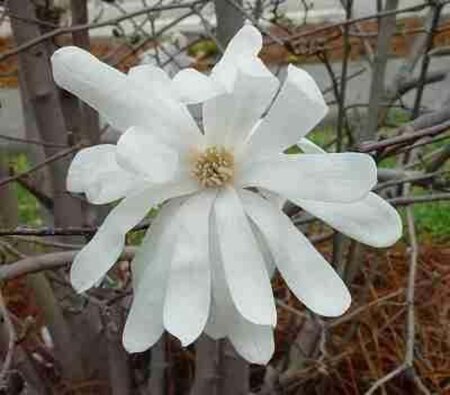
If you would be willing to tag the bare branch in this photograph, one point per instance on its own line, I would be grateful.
(50, 159)
(48, 261)
(96, 25)
(11, 342)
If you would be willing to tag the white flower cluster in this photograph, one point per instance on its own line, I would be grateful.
(205, 263)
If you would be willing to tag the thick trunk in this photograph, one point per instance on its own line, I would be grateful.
(43, 95)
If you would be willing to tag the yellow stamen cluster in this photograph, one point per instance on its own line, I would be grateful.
(213, 167)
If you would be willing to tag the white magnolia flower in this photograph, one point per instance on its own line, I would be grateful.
(205, 263)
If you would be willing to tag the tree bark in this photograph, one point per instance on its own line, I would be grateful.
(235, 371)
(35, 69)
(207, 367)
(386, 29)
(229, 19)
(35, 72)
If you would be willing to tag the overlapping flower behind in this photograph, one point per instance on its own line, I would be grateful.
(205, 263)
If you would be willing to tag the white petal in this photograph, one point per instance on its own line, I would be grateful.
(342, 177)
(264, 248)
(308, 147)
(122, 102)
(144, 324)
(142, 153)
(252, 342)
(188, 295)
(158, 87)
(192, 87)
(101, 183)
(215, 327)
(99, 85)
(152, 79)
(272, 197)
(297, 109)
(243, 47)
(244, 267)
(150, 242)
(305, 271)
(229, 118)
(97, 257)
(371, 221)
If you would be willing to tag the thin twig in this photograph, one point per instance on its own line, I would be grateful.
(31, 141)
(11, 341)
(408, 200)
(50, 159)
(53, 260)
(92, 26)
(385, 379)
(403, 139)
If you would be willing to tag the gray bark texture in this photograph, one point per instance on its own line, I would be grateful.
(35, 69)
(386, 29)
(229, 19)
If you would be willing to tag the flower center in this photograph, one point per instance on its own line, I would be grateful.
(213, 167)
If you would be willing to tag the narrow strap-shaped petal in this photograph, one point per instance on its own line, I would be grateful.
(297, 109)
(147, 156)
(122, 102)
(144, 325)
(371, 220)
(95, 172)
(229, 118)
(308, 147)
(253, 342)
(341, 177)
(187, 302)
(243, 47)
(101, 86)
(159, 88)
(98, 256)
(191, 87)
(244, 267)
(305, 271)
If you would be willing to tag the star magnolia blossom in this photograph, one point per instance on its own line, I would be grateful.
(205, 263)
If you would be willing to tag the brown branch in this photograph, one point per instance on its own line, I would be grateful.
(404, 138)
(408, 362)
(421, 179)
(50, 159)
(11, 341)
(32, 141)
(360, 19)
(91, 26)
(48, 261)
(408, 200)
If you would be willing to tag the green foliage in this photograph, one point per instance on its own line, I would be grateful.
(28, 205)
(206, 48)
(433, 220)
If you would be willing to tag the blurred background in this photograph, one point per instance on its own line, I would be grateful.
(384, 68)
